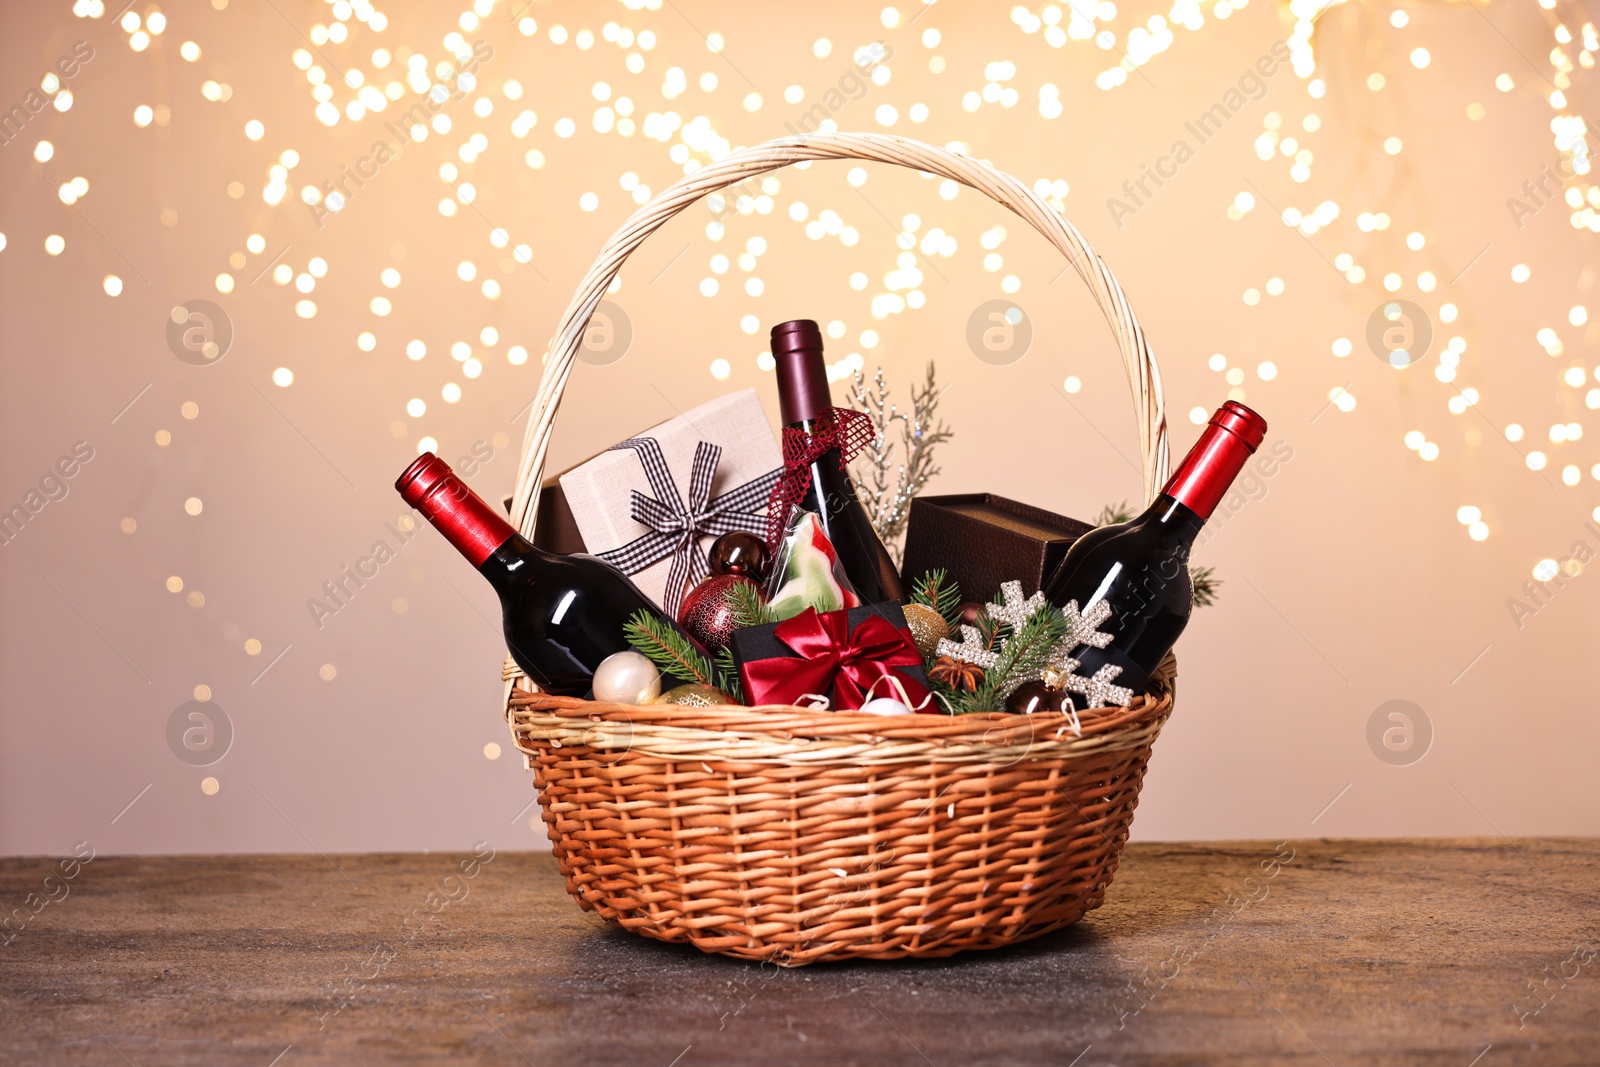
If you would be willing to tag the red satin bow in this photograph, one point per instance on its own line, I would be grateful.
(834, 660)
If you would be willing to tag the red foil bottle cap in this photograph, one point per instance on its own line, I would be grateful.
(1242, 422)
(1229, 439)
(466, 519)
(802, 375)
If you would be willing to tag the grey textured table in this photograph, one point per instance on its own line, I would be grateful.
(1458, 953)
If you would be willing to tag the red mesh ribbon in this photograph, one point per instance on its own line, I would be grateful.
(835, 661)
(837, 429)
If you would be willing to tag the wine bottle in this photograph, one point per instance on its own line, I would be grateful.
(805, 405)
(562, 615)
(1141, 567)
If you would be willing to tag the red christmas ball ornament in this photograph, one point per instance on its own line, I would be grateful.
(739, 552)
(970, 610)
(707, 612)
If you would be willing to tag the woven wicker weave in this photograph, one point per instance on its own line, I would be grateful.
(791, 835)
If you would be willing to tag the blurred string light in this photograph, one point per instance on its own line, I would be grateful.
(1278, 141)
(352, 74)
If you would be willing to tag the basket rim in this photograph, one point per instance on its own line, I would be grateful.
(784, 734)
(790, 720)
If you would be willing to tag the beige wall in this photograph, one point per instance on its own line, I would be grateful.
(1349, 582)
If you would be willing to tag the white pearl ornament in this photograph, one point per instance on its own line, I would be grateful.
(884, 706)
(627, 678)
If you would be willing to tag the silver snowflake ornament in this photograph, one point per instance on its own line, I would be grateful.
(970, 649)
(1015, 609)
(1097, 690)
(1083, 628)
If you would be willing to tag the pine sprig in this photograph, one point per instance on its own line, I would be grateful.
(948, 699)
(749, 605)
(1028, 652)
(961, 702)
(1206, 585)
(1023, 658)
(668, 649)
(935, 590)
(992, 630)
(728, 675)
(1112, 514)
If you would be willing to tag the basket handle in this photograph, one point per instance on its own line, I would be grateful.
(1144, 377)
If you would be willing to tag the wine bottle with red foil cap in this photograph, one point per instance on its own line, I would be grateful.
(1141, 567)
(807, 407)
(563, 615)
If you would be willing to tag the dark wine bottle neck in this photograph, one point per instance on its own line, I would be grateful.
(510, 563)
(802, 373)
(828, 467)
(810, 427)
(1174, 521)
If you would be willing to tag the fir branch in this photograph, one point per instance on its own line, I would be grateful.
(1206, 585)
(949, 701)
(668, 649)
(961, 702)
(1028, 652)
(993, 631)
(749, 605)
(728, 675)
(1114, 513)
(935, 590)
(1022, 658)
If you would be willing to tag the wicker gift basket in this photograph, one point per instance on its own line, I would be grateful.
(794, 835)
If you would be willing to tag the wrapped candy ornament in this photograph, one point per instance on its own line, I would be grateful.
(806, 572)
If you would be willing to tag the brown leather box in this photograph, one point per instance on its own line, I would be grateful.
(556, 531)
(982, 539)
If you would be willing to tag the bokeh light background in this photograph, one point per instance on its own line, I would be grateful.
(191, 154)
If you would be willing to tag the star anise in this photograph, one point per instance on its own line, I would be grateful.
(957, 674)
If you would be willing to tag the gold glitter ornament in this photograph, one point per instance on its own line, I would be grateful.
(927, 628)
(694, 696)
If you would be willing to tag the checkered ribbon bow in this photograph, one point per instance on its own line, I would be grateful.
(676, 528)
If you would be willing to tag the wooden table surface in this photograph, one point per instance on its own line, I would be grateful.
(1467, 953)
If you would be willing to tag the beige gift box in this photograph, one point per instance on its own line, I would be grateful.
(601, 492)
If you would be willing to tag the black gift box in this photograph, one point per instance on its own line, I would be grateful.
(982, 540)
(760, 642)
